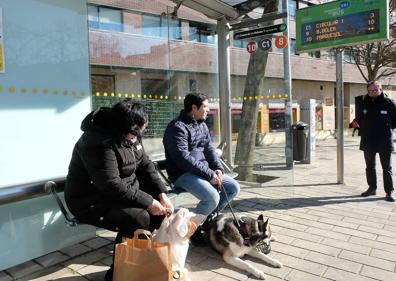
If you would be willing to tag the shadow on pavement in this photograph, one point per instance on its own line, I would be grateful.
(248, 204)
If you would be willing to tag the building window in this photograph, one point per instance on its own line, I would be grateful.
(160, 27)
(104, 18)
(151, 25)
(174, 29)
(332, 55)
(102, 83)
(292, 9)
(193, 86)
(293, 46)
(348, 57)
(93, 16)
(241, 43)
(202, 32)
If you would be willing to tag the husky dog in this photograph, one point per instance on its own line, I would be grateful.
(252, 237)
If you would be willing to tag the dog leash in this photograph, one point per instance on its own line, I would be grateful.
(221, 188)
(246, 239)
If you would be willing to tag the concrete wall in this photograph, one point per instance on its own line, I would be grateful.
(312, 90)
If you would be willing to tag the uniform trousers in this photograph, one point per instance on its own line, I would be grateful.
(385, 159)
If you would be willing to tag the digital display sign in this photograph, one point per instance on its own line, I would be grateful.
(341, 23)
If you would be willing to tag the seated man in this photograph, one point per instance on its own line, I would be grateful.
(111, 182)
(191, 161)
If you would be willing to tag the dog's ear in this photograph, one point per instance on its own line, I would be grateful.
(262, 223)
(266, 223)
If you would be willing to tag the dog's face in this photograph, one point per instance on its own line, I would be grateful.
(258, 232)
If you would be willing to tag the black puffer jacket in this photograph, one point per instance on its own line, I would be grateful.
(107, 169)
(377, 119)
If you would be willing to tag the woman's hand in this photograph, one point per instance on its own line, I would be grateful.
(166, 203)
(156, 208)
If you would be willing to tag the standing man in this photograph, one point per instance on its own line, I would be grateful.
(376, 116)
(191, 161)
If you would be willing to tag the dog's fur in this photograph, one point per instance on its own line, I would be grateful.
(233, 243)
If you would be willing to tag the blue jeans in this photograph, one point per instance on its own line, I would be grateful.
(206, 193)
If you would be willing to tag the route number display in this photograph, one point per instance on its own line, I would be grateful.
(251, 47)
(265, 44)
(280, 41)
(341, 23)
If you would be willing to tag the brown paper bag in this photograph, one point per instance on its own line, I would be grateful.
(142, 259)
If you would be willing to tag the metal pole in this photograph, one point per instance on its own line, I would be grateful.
(223, 49)
(340, 116)
(288, 90)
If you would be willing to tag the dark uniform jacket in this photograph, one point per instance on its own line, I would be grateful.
(377, 119)
(106, 169)
(188, 149)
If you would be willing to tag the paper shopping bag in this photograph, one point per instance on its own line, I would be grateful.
(139, 259)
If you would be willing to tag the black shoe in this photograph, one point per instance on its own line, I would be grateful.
(391, 197)
(109, 275)
(208, 222)
(199, 237)
(369, 192)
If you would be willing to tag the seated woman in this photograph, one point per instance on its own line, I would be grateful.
(111, 182)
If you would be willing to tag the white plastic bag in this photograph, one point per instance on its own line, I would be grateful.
(176, 230)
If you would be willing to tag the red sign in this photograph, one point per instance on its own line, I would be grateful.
(251, 47)
(280, 41)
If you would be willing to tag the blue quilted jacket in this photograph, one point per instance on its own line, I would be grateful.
(188, 149)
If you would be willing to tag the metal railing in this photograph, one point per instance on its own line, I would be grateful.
(27, 191)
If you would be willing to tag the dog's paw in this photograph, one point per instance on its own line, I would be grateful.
(259, 274)
(278, 264)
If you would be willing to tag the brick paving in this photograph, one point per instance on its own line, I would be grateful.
(324, 231)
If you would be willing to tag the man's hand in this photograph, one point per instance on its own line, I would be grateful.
(166, 203)
(216, 180)
(156, 209)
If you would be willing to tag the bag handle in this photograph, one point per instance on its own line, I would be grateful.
(145, 233)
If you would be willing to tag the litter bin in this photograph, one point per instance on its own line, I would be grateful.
(300, 141)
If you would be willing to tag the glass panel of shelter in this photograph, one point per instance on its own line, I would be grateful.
(157, 59)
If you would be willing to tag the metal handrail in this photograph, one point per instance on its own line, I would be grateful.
(27, 191)
(50, 187)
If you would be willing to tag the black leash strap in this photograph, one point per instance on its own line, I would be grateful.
(221, 188)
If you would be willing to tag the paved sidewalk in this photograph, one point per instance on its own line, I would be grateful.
(325, 231)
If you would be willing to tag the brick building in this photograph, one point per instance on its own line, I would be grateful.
(138, 49)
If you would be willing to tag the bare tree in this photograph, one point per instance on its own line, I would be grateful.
(375, 60)
(248, 125)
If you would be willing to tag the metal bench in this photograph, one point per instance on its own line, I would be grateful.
(160, 166)
(50, 188)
